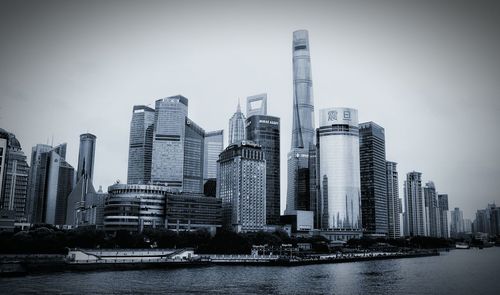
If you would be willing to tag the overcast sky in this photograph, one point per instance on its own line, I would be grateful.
(427, 71)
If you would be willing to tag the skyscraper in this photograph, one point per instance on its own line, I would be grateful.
(241, 185)
(414, 208)
(431, 210)
(140, 145)
(457, 223)
(257, 105)
(34, 179)
(443, 216)
(168, 141)
(194, 146)
(393, 210)
(237, 126)
(13, 196)
(214, 144)
(339, 175)
(81, 196)
(265, 131)
(373, 179)
(54, 183)
(4, 143)
(300, 189)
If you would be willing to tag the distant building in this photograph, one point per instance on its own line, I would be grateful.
(214, 145)
(393, 203)
(82, 194)
(431, 210)
(257, 105)
(140, 145)
(443, 216)
(339, 173)
(457, 223)
(55, 183)
(241, 185)
(373, 179)
(14, 173)
(265, 131)
(237, 127)
(194, 151)
(190, 212)
(414, 207)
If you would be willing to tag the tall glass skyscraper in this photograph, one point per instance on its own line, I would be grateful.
(443, 216)
(194, 146)
(414, 207)
(265, 131)
(430, 210)
(34, 178)
(214, 145)
(339, 172)
(141, 145)
(82, 194)
(237, 126)
(393, 203)
(373, 179)
(13, 196)
(168, 141)
(300, 189)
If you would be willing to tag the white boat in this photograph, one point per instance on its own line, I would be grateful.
(462, 246)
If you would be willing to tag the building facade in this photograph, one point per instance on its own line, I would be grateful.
(300, 189)
(339, 171)
(456, 223)
(414, 207)
(190, 212)
(168, 141)
(214, 145)
(241, 185)
(134, 207)
(140, 145)
(265, 131)
(13, 195)
(237, 127)
(393, 203)
(55, 183)
(373, 179)
(34, 179)
(443, 216)
(431, 210)
(194, 152)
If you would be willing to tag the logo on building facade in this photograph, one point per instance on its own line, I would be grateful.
(347, 115)
(332, 116)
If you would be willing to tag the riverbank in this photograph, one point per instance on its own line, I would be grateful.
(91, 260)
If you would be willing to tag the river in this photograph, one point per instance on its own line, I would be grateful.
(471, 271)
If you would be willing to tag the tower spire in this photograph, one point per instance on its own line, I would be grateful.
(238, 108)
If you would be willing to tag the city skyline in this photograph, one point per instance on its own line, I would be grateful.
(90, 81)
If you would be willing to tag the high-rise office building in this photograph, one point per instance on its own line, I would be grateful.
(4, 144)
(373, 179)
(257, 105)
(55, 183)
(431, 210)
(301, 190)
(34, 178)
(265, 131)
(194, 146)
(414, 207)
(456, 223)
(214, 145)
(80, 198)
(140, 145)
(13, 195)
(241, 185)
(443, 216)
(168, 141)
(339, 172)
(393, 203)
(237, 126)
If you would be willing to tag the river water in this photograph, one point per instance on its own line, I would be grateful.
(471, 271)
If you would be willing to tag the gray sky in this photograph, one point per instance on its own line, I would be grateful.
(427, 71)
